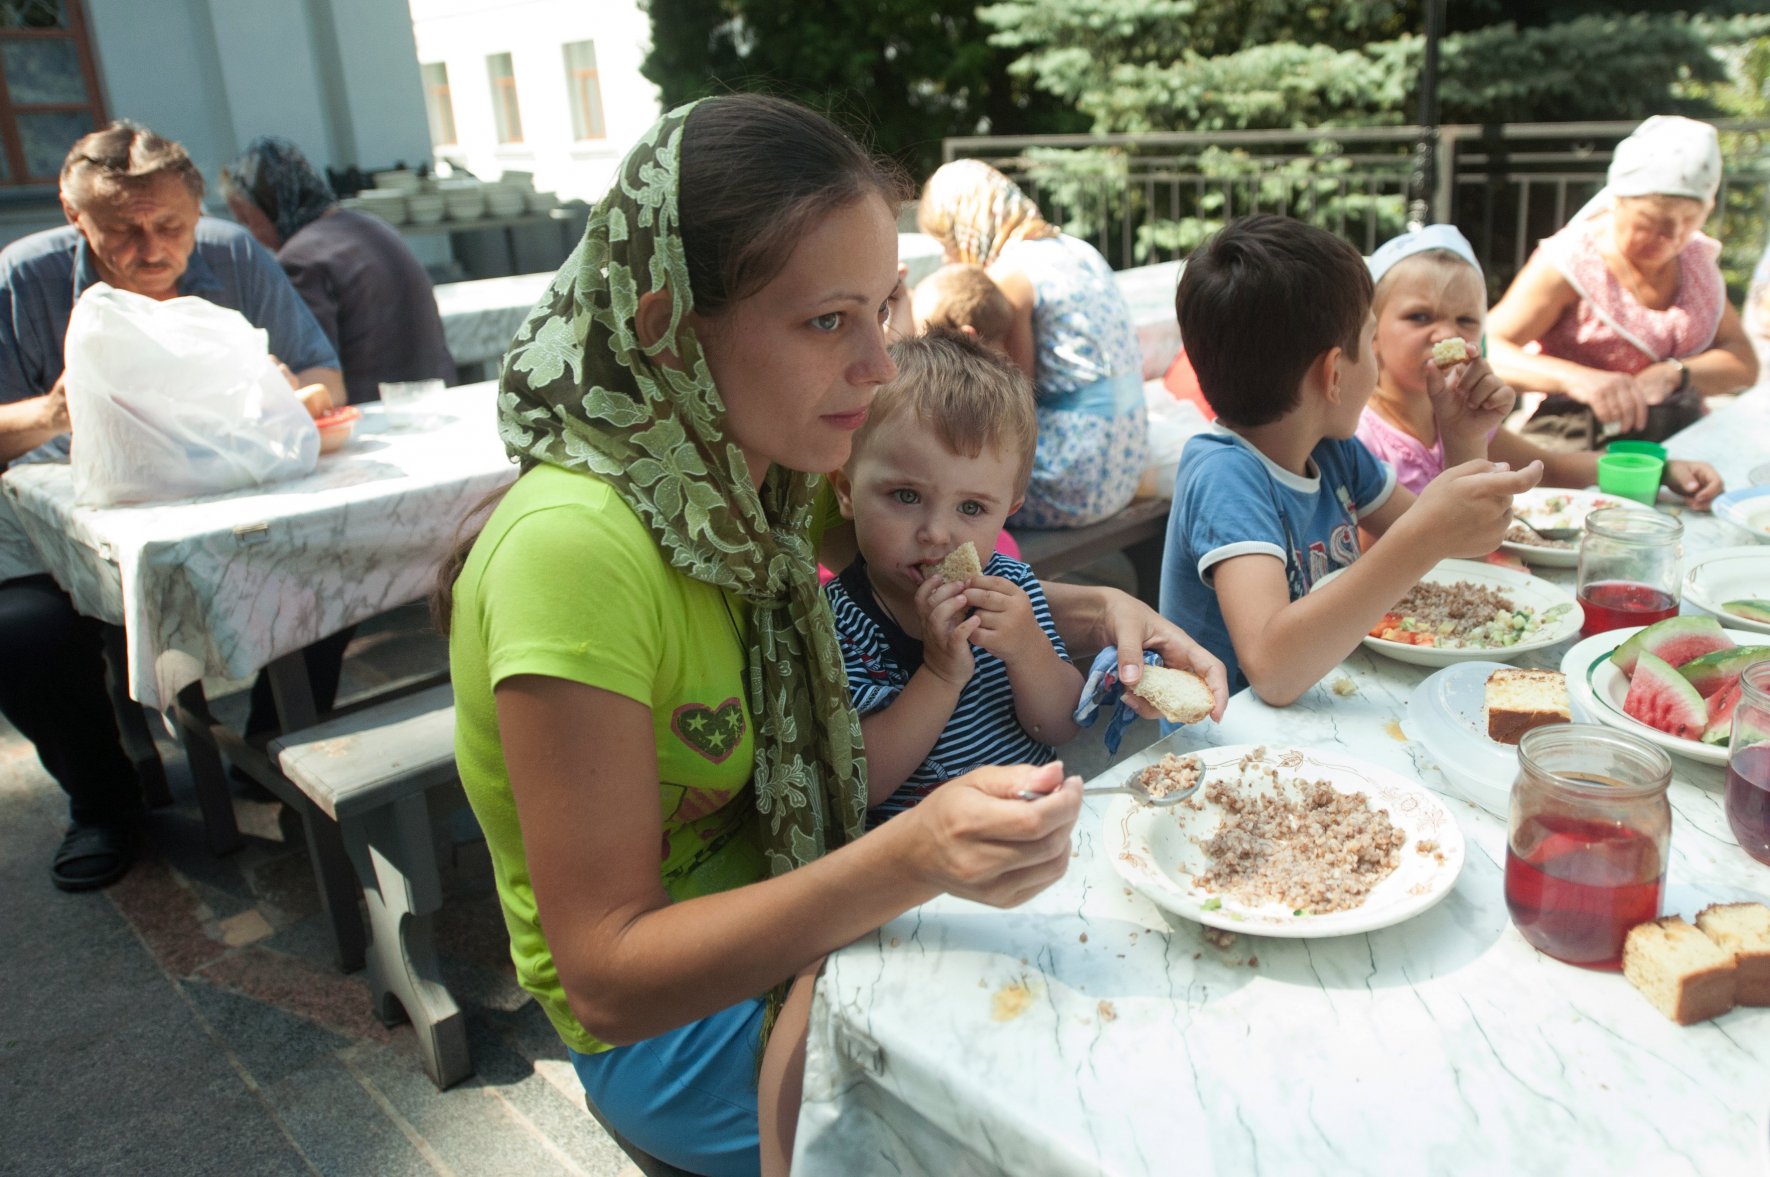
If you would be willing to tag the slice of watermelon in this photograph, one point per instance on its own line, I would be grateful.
(1662, 698)
(1712, 672)
(1752, 610)
(1721, 705)
(1674, 641)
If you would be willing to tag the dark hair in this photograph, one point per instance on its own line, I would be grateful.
(125, 154)
(968, 297)
(970, 395)
(1258, 302)
(756, 172)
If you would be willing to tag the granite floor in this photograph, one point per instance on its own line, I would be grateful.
(190, 1020)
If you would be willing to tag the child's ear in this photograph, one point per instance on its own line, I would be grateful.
(652, 320)
(1016, 506)
(844, 492)
(1326, 372)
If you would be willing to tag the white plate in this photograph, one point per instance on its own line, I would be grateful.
(1748, 509)
(1550, 506)
(1154, 849)
(1446, 716)
(1523, 588)
(1730, 574)
(1600, 688)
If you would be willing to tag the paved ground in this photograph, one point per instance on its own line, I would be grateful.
(189, 1020)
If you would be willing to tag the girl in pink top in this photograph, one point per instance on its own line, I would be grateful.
(1429, 289)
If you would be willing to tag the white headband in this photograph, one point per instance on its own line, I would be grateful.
(1667, 156)
(1398, 249)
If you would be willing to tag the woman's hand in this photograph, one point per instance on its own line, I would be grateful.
(1614, 396)
(1134, 627)
(1698, 482)
(978, 840)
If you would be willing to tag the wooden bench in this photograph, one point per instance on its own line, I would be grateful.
(377, 772)
(1139, 531)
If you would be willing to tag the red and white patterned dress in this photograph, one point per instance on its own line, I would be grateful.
(1608, 328)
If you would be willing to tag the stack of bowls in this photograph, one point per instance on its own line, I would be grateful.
(464, 199)
(540, 202)
(398, 180)
(425, 208)
(502, 200)
(386, 203)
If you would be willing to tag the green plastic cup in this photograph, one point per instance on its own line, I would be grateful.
(1651, 448)
(1631, 476)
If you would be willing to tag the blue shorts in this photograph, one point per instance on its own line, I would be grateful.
(687, 1096)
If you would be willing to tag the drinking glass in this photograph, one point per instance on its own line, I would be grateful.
(1590, 836)
(1630, 562)
(1748, 764)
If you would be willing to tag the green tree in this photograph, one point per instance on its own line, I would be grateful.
(1133, 65)
(907, 73)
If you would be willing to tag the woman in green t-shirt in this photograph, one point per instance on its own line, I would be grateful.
(652, 721)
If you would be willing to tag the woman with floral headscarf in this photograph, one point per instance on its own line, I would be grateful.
(354, 271)
(652, 722)
(1072, 332)
(1622, 317)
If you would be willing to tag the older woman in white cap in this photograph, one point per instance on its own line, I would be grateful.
(1622, 317)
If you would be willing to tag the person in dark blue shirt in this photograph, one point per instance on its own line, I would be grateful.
(133, 202)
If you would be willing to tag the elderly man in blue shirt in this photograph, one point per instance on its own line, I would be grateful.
(133, 202)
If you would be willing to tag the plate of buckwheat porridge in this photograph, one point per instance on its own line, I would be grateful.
(1290, 842)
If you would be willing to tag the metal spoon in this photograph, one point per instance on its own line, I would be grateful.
(1561, 534)
(1134, 787)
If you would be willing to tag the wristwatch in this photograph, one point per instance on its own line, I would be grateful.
(1683, 375)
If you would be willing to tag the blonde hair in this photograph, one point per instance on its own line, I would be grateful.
(964, 296)
(122, 156)
(968, 394)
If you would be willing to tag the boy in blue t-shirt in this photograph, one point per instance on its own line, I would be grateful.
(1275, 315)
(944, 458)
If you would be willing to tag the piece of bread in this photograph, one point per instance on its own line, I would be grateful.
(1744, 930)
(1517, 700)
(960, 564)
(1679, 970)
(1180, 695)
(1448, 353)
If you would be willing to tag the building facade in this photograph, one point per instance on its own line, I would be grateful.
(548, 87)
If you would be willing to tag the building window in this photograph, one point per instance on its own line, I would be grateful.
(585, 88)
(504, 109)
(437, 103)
(48, 88)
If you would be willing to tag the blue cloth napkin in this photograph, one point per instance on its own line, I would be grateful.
(1103, 688)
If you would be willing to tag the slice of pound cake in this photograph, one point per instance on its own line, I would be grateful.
(1744, 930)
(1679, 970)
(1517, 700)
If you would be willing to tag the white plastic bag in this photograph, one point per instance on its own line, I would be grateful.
(173, 399)
(1172, 422)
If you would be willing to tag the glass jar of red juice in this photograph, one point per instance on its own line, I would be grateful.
(1630, 562)
(1590, 837)
(1748, 764)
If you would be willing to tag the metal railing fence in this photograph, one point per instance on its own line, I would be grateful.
(1151, 197)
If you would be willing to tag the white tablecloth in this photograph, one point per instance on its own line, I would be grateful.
(223, 585)
(1444, 1044)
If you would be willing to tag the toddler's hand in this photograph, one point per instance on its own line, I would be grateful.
(1465, 511)
(946, 630)
(1469, 402)
(1698, 482)
(1006, 625)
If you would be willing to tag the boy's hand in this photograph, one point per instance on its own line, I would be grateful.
(1469, 402)
(946, 630)
(1006, 625)
(1465, 511)
(1698, 482)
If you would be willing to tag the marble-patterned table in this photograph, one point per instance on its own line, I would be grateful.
(226, 584)
(1089, 1033)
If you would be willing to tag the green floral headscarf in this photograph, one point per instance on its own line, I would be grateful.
(579, 391)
